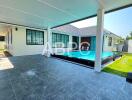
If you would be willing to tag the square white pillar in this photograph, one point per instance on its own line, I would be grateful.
(79, 42)
(48, 45)
(49, 38)
(99, 39)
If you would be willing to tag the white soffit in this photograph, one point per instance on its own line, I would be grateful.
(51, 13)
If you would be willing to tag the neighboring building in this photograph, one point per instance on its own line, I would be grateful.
(28, 41)
(88, 34)
(130, 46)
(127, 46)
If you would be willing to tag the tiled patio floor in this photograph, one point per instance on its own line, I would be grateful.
(40, 78)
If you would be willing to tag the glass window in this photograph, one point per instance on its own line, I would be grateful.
(34, 37)
(56, 37)
(110, 41)
(2, 38)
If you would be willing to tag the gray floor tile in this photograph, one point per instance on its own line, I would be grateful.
(40, 78)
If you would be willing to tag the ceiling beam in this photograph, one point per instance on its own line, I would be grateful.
(1, 22)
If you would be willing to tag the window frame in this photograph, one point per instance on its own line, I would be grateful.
(56, 38)
(110, 40)
(2, 38)
(33, 43)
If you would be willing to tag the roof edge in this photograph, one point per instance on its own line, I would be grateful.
(116, 9)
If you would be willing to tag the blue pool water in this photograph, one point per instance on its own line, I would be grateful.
(88, 55)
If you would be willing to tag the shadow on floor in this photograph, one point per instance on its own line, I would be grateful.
(5, 54)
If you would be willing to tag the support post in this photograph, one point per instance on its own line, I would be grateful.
(79, 43)
(48, 46)
(49, 41)
(99, 39)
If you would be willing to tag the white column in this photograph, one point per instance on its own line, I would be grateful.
(49, 38)
(47, 50)
(99, 39)
(79, 42)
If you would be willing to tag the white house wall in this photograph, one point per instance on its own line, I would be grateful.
(9, 45)
(113, 47)
(3, 32)
(2, 45)
(88, 32)
(106, 47)
(19, 46)
(130, 46)
(69, 30)
(70, 40)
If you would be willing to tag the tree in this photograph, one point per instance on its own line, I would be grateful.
(131, 34)
(129, 37)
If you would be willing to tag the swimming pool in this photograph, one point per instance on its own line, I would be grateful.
(87, 55)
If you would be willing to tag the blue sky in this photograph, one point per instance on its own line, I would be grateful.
(118, 22)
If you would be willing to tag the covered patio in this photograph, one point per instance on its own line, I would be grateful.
(48, 14)
(41, 78)
(38, 77)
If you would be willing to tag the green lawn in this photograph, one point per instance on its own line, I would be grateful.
(121, 66)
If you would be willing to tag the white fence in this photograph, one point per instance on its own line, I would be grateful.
(130, 46)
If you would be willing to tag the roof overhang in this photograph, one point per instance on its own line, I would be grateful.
(53, 13)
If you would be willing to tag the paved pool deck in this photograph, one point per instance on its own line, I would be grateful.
(40, 78)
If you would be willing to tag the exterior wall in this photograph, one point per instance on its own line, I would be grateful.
(91, 31)
(70, 40)
(68, 30)
(106, 47)
(115, 40)
(19, 47)
(9, 46)
(130, 46)
(2, 45)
